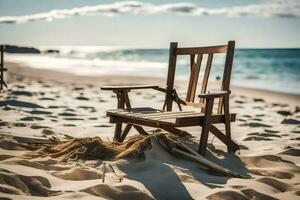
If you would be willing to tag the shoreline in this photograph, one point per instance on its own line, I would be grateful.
(65, 77)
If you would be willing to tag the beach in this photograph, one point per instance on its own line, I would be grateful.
(40, 104)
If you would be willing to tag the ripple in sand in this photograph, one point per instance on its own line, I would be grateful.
(67, 114)
(82, 98)
(22, 93)
(31, 119)
(39, 112)
(291, 152)
(38, 126)
(252, 194)
(77, 174)
(122, 192)
(46, 99)
(276, 184)
(17, 103)
(256, 138)
(73, 119)
(228, 195)
(290, 121)
(28, 185)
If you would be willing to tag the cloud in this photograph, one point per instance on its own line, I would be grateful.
(283, 9)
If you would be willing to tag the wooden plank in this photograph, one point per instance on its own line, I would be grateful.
(171, 75)
(206, 73)
(201, 50)
(194, 79)
(192, 61)
(128, 87)
(176, 122)
(140, 121)
(198, 120)
(227, 71)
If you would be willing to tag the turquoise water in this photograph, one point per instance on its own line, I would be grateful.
(271, 69)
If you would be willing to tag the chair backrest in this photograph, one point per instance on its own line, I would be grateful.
(195, 64)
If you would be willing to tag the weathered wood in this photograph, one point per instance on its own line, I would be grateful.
(170, 121)
(201, 50)
(171, 75)
(227, 71)
(192, 119)
(190, 97)
(128, 87)
(233, 145)
(206, 73)
(125, 132)
(2, 69)
(205, 126)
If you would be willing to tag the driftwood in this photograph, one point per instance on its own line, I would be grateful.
(134, 147)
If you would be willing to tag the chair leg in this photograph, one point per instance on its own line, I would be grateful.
(125, 132)
(227, 122)
(205, 126)
(118, 132)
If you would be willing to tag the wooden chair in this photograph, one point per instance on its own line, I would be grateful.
(169, 120)
(2, 69)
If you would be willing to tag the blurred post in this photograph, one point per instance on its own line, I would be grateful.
(2, 69)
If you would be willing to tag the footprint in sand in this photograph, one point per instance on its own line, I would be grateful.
(278, 186)
(67, 114)
(73, 119)
(32, 119)
(82, 98)
(17, 103)
(46, 99)
(48, 132)
(69, 125)
(19, 124)
(103, 126)
(38, 126)
(252, 194)
(271, 131)
(257, 138)
(22, 93)
(284, 112)
(230, 195)
(291, 152)
(290, 121)
(39, 112)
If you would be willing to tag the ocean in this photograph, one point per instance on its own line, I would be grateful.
(270, 69)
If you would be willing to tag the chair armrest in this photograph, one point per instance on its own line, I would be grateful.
(215, 94)
(129, 87)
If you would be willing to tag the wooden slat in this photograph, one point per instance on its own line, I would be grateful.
(227, 71)
(171, 75)
(192, 61)
(116, 87)
(201, 50)
(206, 73)
(194, 121)
(194, 79)
(187, 119)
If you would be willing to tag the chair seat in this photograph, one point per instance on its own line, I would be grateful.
(156, 118)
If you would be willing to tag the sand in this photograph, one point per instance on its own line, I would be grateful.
(42, 104)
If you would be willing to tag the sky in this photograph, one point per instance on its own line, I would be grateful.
(152, 23)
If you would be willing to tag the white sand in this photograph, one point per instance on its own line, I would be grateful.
(41, 104)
